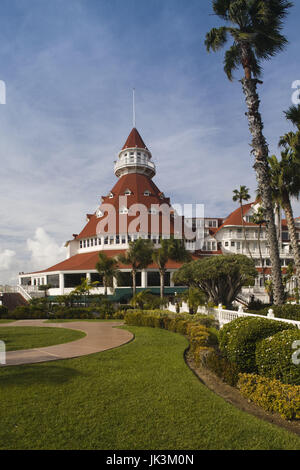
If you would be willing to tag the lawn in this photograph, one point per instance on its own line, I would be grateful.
(28, 337)
(139, 396)
(72, 320)
(6, 321)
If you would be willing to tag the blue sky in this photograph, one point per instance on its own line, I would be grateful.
(69, 68)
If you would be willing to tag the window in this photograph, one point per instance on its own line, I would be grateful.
(147, 193)
(84, 243)
(105, 240)
(99, 213)
(92, 242)
(127, 192)
(111, 240)
(117, 239)
(110, 195)
(226, 243)
(232, 243)
(123, 239)
(80, 244)
(212, 223)
(88, 243)
(285, 236)
(95, 241)
(99, 241)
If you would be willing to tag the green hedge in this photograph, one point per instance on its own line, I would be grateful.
(287, 311)
(238, 339)
(274, 357)
(3, 311)
(271, 395)
(220, 365)
(200, 337)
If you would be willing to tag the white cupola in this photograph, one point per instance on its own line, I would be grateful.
(134, 157)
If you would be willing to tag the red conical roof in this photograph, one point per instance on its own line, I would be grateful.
(134, 140)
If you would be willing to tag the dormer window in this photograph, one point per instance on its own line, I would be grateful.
(110, 195)
(147, 193)
(99, 213)
(127, 192)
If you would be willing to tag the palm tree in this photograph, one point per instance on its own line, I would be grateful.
(239, 196)
(258, 218)
(84, 288)
(108, 269)
(255, 27)
(173, 249)
(286, 185)
(138, 256)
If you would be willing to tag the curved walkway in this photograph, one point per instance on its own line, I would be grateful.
(100, 336)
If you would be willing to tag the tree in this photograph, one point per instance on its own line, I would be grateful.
(285, 183)
(145, 300)
(194, 297)
(240, 195)
(108, 269)
(255, 27)
(45, 288)
(84, 288)
(138, 256)
(173, 249)
(220, 277)
(258, 218)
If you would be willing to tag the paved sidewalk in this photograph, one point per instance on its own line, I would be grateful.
(100, 336)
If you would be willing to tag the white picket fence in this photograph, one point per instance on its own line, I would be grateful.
(226, 316)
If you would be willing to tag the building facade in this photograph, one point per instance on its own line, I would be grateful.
(135, 207)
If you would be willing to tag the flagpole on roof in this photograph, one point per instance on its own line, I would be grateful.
(133, 107)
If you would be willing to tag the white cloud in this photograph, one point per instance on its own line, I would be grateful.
(45, 252)
(6, 259)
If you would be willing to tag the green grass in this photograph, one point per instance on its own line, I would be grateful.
(139, 396)
(69, 320)
(28, 337)
(6, 321)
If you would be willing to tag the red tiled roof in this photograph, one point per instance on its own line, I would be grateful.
(134, 140)
(137, 184)
(87, 261)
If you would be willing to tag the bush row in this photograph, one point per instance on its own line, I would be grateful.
(200, 336)
(34, 312)
(239, 338)
(287, 311)
(271, 395)
(3, 311)
(274, 357)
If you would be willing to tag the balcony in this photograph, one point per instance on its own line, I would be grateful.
(134, 164)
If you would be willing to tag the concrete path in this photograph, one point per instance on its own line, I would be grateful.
(100, 336)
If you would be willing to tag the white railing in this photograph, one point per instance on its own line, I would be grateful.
(23, 292)
(226, 316)
(16, 290)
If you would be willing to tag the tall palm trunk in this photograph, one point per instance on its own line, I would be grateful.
(244, 232)
(133, 272)
(162, 282)
(261, 151)
(260, 255)
(287, 207)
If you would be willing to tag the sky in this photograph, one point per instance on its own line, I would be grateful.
(69, 67)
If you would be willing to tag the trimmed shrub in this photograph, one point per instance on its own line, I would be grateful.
(3, 311)
(274, 357)
(238, 339)
(286, 311)
(271, 395)
(224, 369)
